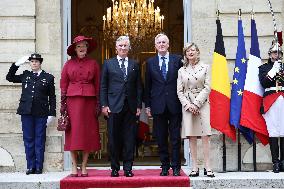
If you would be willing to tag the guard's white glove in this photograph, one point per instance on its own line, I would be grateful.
(275, 69)
(22, 60)
(49, 119)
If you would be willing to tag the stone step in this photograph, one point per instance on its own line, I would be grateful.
(12, 153)
(251, 180)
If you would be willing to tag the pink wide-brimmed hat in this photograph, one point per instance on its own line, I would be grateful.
(92, 44)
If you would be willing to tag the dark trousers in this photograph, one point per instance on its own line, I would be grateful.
(165, 125)
(274, 149)
(122, 131)
(34, 135)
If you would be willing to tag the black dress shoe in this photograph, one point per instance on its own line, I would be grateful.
(38, 171)
(276, 167)
(114, 173)
(176, 172)
(128, 173)
(164, 172)
(282, 166)
(30, 171)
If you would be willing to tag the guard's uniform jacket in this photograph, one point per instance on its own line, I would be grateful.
(269, 84)
(38, 92)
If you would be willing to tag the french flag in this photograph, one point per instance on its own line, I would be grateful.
(143, 129)
(253, 92)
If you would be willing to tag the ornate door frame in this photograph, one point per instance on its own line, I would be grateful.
(66, 26)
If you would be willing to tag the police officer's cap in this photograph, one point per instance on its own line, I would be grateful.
(36, 56)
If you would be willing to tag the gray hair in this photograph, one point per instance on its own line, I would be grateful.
(186, 47)
(160, 35)
(123, 38)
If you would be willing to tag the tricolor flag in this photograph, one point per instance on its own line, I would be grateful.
(143, 129)
(253, 92)
(238, 84)
(220, 89)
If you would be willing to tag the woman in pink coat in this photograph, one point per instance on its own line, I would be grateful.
(80, 98)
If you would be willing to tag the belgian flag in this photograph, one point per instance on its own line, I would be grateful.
(220, 89)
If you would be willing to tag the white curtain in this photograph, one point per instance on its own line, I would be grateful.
(187, 38)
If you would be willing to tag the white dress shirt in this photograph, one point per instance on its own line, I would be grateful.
(125, 62)
(166, 61)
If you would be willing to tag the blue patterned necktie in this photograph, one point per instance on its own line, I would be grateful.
(164, 67)
(35, 74)
(123, 69)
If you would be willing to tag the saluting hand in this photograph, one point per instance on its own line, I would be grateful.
(275, 69)
(22, 60)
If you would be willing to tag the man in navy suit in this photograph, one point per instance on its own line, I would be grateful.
(163, 104)
(121, 101)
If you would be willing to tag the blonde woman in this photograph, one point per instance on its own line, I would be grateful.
(193, 87)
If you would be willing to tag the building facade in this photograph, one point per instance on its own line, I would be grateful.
(28, 26)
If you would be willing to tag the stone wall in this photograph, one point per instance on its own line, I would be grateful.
(204, 34)
(27, 26)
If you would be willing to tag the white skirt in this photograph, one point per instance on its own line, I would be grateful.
(274, 118)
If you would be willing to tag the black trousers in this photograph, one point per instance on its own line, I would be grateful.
(274, 149)
(168, 125)
(122, 131)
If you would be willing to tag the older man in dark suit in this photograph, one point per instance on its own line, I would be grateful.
(121, 101)
(163, 104)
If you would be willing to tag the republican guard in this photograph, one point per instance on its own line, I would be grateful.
(271, 77)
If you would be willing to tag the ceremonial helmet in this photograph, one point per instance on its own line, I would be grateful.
(276, 45)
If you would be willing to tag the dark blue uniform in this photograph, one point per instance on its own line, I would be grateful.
(37, 102)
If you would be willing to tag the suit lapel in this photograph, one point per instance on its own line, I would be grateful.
(170, 67)
(157, 67)
(117, 68)
(130, 67)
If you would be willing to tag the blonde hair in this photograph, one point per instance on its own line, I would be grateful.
(186, 47)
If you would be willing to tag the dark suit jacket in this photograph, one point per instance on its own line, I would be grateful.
(158, 91)
(38, 92)
(114, 90)
(264, 80)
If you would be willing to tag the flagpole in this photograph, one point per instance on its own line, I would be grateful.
(239, 138)
(224, 136)
(254, 153)
(224, 153)
(253, 142)
(217, 14)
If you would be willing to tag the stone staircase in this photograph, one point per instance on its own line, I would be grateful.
(50, 180)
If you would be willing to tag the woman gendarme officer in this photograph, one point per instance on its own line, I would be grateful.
(273, 104)
(37, 108)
